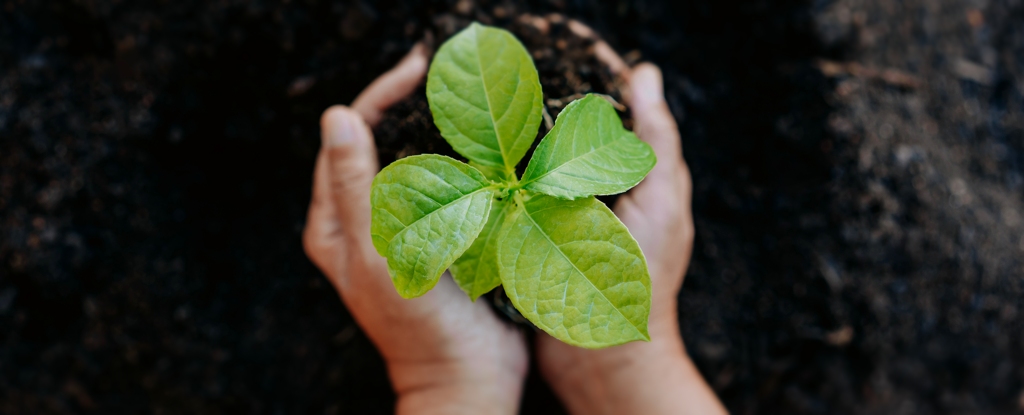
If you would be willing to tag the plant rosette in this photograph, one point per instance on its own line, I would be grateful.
(563, 258)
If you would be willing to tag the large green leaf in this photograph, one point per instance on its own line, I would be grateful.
(426, 211)
(588, 153)
(485, 96)
(573, 269)
(476, 271)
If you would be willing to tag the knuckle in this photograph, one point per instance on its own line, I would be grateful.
(685, 182)
(314, 243)
(654, 127)
(661, 119)
(684, 172)
(323, 252)
(349, 171)
(310, 242)
(687, 231)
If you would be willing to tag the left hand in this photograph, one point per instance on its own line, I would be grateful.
(444, 353)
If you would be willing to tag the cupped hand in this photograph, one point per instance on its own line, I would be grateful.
(444, 354)
(641, 377)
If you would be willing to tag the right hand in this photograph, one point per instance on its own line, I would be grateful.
(656, 377)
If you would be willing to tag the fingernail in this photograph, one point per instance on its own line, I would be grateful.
(647, 86)
(340, 129)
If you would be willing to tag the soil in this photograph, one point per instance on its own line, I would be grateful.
(859, 197)
(566, 65)
(565, 62)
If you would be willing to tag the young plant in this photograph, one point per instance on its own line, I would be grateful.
(564, 259)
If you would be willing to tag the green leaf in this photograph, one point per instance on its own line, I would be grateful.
(491, 173)
(573, 269)
(485, 96)
(588, 152)
(426, 211)
(476, 271)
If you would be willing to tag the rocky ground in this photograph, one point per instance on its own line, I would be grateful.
(859, 181)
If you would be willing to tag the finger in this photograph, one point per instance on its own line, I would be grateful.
(659, 207)
(393, 85)
(652, 117)
(352, 164)
(322, 232)
(656, 126)
(602, 50)
(610, 57)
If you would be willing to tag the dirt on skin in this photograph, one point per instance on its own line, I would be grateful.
(858, 186)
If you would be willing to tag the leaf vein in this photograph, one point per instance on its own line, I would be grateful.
(617, 311)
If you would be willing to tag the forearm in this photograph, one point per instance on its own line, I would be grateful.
(669, 386)
(427, 390)
(642, 378)
(455, 399)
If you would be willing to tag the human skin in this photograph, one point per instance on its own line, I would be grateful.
(444, 354)
(655, 377)
(448, 355)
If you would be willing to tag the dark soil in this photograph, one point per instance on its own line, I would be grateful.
(859, 197)
(565, 62)
(568, 70)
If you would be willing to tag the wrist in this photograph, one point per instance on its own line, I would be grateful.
(641, 377)
(608, 380)
(456, 389)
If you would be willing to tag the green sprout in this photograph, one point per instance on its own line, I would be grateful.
(566, 262)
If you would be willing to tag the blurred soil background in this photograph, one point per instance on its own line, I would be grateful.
(859, 199)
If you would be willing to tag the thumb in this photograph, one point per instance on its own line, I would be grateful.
(653, 119)
(655, 125)
(665, 193)
(352, 164)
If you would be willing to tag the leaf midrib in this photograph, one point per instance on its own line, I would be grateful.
(406, 228)
(450, 246)
(574, 267)
(491, 235)
(560, 166)
(487, 94)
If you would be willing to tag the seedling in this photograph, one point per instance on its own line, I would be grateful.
(564, 259)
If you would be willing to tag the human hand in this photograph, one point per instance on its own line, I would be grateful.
(444, 354)
(656, 377)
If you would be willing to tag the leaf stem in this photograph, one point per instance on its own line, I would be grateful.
(518, 197)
